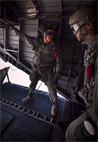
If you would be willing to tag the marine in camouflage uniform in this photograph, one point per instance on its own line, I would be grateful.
(46, 54)
(84, 25)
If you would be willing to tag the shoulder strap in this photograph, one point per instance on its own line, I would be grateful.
(96, 54)
(91, 62)
(52, 54)
(36, 47)
(94, 50)
(92, 53)
(54, 51)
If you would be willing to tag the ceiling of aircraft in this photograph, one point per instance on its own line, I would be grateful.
(28, 15)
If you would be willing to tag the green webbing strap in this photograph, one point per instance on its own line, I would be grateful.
(54, 50)
(52, 54)
(43, 53)
(91, 55)
(35, 48)
(96, 52)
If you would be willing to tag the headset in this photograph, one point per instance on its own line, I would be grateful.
(44, 30)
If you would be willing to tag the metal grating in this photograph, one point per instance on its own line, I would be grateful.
(55, 123)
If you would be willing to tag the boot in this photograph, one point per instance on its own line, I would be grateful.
(54, 111)
(27, 99)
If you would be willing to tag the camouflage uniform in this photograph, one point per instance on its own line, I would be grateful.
(83, 23)
(43, 62)
(89, 92)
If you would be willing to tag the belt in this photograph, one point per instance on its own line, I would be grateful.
(41, 68)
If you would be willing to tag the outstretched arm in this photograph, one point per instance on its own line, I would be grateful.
(30, 40)
(23, 36)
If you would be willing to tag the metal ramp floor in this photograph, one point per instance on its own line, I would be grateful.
(33, 121)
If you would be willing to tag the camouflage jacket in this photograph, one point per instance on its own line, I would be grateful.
(89, 92)
(45, 54)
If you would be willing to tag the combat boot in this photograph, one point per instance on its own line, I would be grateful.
(27, 99)
(54, 111)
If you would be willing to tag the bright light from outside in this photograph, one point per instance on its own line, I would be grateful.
(17, 76)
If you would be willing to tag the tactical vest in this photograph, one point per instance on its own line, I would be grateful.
(51, 55)
(44, 70)
(89, 80)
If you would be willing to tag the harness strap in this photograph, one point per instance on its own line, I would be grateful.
(36, 47)
(43, 53)
(91, 57)
(53, 53)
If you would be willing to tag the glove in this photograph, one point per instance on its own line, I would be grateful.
(58, 75)
(55, 80)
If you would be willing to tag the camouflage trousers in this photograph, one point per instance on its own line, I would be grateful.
(35, 77)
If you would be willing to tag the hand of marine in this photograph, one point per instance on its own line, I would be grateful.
(55, 81)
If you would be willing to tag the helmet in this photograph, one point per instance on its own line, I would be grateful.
(82, 16)
(45, 28)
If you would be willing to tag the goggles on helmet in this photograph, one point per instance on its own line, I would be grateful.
(50, 33)
(75, 28)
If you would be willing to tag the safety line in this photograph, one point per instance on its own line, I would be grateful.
(54, 122)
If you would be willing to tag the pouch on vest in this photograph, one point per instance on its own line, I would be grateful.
(89, 72)
(85, 132)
